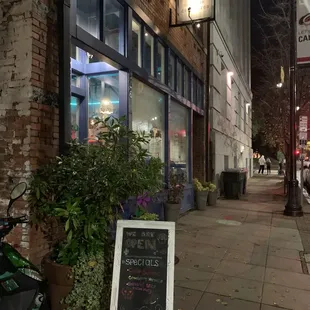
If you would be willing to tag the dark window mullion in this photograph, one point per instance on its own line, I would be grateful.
(175, 72)
(155, 60)
(142, 44)
(101, 20)
(128, 34)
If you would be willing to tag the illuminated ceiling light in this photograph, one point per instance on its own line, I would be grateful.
(198, 25)
(297, 108)
(106, 107)
(146, 34)
(279, 85)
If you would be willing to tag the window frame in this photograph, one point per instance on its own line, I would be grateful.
(147, 30)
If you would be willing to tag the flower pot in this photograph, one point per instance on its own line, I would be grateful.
(212, 198)
(60, 282)
(172, 211)
(202, 200)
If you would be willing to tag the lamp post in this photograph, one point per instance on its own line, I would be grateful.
(293, 206)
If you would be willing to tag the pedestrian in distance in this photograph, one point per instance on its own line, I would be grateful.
(268, 163)
(262, 163)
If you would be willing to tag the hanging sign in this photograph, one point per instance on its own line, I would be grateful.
(303, 32)
(143, 272)
(194, 10)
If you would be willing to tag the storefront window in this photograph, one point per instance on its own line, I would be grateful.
(148, 60)
(103, 100)
(75, 109)
(148, 114)
(114, 25)
(179, 138)
(179, 78)
(136, 42)
(88, 16)
(187, 84)
(171, 71)
(160, 63)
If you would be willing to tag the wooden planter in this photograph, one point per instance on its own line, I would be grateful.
(60, 282)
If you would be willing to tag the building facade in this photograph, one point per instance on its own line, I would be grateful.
(63, 63)
(230, 88)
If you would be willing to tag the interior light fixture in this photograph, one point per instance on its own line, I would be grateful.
(297, 108)
(279, 85)
(198, 25)
(146, 34)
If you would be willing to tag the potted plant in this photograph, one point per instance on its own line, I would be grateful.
(81, 194)
(202, 192)
(212, 198)
(141, 212)
(175, 194)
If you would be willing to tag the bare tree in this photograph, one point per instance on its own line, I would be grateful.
(271, 104)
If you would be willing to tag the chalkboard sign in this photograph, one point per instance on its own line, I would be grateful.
(143, 274)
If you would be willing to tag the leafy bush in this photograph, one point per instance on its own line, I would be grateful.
(84, 191)
(175, 190)
(211, 187)
(200, 187)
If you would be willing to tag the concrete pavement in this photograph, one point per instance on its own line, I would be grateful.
(243, 255)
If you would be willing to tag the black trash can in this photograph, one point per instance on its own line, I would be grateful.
(234, 183)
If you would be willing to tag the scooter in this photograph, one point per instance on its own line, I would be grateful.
(22, 286)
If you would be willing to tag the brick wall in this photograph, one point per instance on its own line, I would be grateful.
(29, 131)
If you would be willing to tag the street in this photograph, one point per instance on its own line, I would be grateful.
(244, 255)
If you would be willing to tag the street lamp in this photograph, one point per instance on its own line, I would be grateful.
(293, 206)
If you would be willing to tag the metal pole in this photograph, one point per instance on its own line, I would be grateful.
(293, 207)
(302, 176)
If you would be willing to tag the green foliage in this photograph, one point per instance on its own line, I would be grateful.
(175, 190)
(211, 187)
(199, 187)
(84, 190)
(146, 216)
(88, 289)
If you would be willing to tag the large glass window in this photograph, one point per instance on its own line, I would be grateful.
(114, 25)
(160, 63)
(148, 60)
(136, 42)
(171, 71)
(103, 100)
(179, 77)
(187, 84)
(148, 114)
(88, 16)
(179, 138)
(75, 115)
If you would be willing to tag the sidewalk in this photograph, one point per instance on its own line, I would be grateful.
(244, 255)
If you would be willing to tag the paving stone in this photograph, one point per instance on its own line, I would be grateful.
(185, 299)
(218, 302)
(278, 222)
(240, 270)
(282, 252)
(284, 297)
(236, 287)
(267, 307)
(191, 278)
(198, 262)
(284, 264)
(287, 278)
(242, 257)
(307, 258)
(286, 244)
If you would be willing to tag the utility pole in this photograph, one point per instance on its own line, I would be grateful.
(293, 206)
